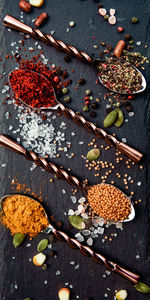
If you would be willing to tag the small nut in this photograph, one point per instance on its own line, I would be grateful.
(39, 259)
(36, 3)
(102, 11)
(121, 295)
(24, 5)
(41, 19)
(64, 294)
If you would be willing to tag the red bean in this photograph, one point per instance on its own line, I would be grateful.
(119, 48)
(41, 19)
(24, 5)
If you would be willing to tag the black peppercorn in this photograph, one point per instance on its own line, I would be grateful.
(44, 267)
(128, 37)
(81, 81)
(92, 114)
(128, 108)
(100, 5)
(94, 105)
(59, 224)
(101, 54)
(67, 59)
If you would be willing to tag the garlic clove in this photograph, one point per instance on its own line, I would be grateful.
(36, 3)
(64, 294)
(39, 259)
(121, 295)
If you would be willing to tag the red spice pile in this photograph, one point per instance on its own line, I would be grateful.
(34, 89)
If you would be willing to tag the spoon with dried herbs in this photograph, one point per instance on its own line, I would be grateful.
(18, 209)
(116, 76)
(36, 92)
(105, 200)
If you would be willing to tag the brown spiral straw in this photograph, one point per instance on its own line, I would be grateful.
(50, 167)
(98, 258)
(46, 38)
(100, 133)
(71, 50)
(40, 161)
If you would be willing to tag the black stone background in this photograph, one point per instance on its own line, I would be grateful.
(134, 239)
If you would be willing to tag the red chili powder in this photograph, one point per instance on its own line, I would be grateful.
(34, 89)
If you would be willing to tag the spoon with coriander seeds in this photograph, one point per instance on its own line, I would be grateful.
(105, 200)
(26, 216)
(36, 92)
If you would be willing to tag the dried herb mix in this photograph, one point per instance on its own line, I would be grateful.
(119, 76)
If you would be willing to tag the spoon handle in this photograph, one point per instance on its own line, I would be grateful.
(71, 50)
(98, 258)
(40, 161)
(100, 133)
(46, 38)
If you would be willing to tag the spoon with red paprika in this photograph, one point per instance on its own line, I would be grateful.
(36, 91)
(124, 79)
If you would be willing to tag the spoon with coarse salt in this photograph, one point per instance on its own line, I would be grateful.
(105, 200)
(85, 250)
(25, 85)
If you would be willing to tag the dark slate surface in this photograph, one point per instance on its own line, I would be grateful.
(88, 281)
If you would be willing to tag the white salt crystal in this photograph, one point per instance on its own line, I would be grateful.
(86, 232)
(57, 273)
(74, 199)
(124, 140)
(90, 241)
(131, 114)
(70, 212)
(82, 200)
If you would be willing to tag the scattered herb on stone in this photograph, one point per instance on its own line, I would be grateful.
(18, 239)
(77, 222)
(85, 108)
(120, 118)
(93, 154)
(42, 245)
(142, 287)
(110, 118)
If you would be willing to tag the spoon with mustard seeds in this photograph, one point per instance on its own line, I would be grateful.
(105, 200)
(73, 243)
(25, 85)
(122, 69)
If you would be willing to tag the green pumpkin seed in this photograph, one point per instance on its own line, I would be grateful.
(93, 154)
(42, 245)
(142, 287)
(77, 222)
(27, 299)
(110, 118)
(120, 118)
(18, 239)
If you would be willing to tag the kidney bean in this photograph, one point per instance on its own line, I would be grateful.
(119, 48)
(24, 5)
(41, 19)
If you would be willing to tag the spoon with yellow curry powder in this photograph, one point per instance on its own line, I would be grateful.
(105, 200)
(22, 214)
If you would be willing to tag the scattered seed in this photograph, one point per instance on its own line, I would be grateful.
(110, 118)
(18, 239)
(42, 245)
(77, 222)
(93, 154)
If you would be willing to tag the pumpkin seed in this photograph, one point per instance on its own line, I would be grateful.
(27, 299)
(18, 239)
(93, 154)
(77, 222)
(120, 118)
(42, 245)
(142, 287)
(110, 118)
